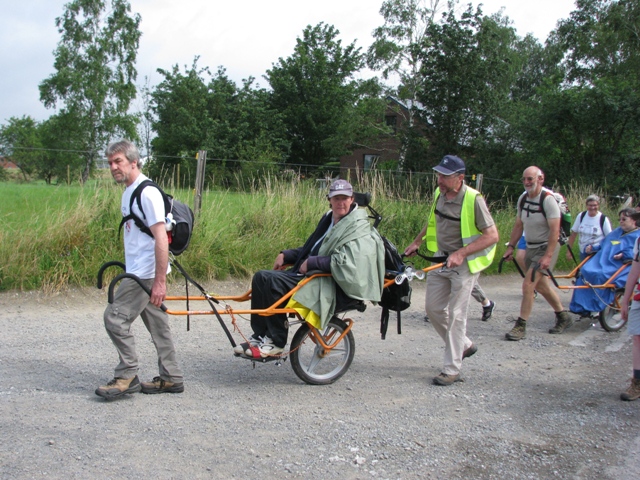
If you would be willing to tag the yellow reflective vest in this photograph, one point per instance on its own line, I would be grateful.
(468, 231)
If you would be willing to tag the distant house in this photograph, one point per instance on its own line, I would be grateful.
(6, 163)
(384, 148)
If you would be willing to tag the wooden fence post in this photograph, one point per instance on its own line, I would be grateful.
(202, 162)
(479, 182)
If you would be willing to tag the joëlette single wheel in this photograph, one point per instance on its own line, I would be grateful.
(315, 365)
(610, 317)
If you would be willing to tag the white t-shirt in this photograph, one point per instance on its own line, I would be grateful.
(139, 248)
(589, 231)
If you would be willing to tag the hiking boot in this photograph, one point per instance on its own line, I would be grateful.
(563, 321)
(633, 392)
(469, 351)
(268, 348)
(488, 310)
(158, 385)
(253, 341)
(445, 379)
(519, 330)
(119, 387)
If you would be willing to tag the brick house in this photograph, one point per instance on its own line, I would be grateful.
(6, 163)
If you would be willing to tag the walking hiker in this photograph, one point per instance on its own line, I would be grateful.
(590, 226)
(461, 227)
(631, 291)
(538, 216)
(147, 257)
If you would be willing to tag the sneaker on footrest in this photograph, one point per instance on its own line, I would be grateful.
(268, 348)
(245, 347)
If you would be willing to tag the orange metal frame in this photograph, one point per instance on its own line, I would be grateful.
(574, 273)
(316, 336)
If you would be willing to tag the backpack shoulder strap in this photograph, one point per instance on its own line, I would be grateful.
(137, 194)
(603, 217)
(543, 195)
(135, 197)
(581, 217)
(523, 201)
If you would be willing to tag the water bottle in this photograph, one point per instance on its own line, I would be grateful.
(169, 222)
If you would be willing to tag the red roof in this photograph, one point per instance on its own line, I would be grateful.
(4, 163)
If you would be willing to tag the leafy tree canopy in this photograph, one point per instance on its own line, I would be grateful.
(95, 72)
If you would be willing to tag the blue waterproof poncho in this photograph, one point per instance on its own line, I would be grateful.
(599, 269)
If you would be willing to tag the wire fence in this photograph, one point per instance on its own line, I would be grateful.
(499, 188)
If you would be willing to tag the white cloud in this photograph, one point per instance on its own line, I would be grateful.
(245, 37)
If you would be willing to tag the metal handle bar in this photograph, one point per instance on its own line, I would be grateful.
(535, 268)
(113, 263)
(122, 276)
(504, 259)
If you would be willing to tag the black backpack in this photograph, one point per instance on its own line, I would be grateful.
(538, 207)
(180, 235)
(395, 297)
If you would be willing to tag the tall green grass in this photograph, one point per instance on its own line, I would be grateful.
(58, 236)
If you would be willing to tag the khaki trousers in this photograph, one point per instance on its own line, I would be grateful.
(447, 303)
(130, 302)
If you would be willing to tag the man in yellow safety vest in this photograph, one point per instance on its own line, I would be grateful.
(460, 227)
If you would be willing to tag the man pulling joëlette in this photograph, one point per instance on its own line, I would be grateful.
(146, 257)
(461, 227)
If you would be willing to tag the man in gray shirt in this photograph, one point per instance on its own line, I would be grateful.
(539, 217)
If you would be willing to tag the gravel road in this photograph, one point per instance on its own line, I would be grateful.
(545, 407)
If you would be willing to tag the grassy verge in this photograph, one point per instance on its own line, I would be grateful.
(54, 237)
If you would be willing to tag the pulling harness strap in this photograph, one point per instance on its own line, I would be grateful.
(448, 217)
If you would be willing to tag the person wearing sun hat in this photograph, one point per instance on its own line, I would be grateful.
(461, 227)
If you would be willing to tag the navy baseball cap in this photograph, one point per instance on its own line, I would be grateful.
(449, 165)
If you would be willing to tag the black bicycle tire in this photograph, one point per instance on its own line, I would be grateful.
(609, 311)
(297, 349)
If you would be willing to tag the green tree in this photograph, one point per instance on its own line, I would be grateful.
(180, 106)
(146, 118)
(394, 51)
(467, 75)
(196, 110)
(588, 125)
(62, 157)
(95, 72)
(20, 141)
(315, 92)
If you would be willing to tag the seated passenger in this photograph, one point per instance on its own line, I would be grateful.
(616, 248)
(345, 244)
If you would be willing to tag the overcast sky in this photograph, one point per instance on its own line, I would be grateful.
(246, 37)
